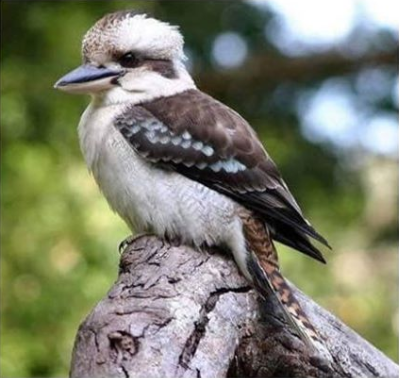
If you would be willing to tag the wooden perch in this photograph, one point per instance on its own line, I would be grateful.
(177, 312)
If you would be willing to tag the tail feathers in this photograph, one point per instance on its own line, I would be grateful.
(298, 241)
(262, 269)
(269, 281)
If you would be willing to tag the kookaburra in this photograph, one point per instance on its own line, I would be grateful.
(174, 161)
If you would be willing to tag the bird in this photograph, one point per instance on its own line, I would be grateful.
(174, 161)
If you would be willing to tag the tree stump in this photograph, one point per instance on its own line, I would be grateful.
(178, 312)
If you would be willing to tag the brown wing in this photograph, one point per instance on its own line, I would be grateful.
(206, 141)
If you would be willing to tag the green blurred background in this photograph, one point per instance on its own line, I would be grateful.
(322, 96)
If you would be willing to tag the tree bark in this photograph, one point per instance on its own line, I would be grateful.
(178, 312)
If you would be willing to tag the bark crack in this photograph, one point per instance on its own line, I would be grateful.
(198, 333)
(125, 372)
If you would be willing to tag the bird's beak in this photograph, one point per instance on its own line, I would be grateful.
(88, 79)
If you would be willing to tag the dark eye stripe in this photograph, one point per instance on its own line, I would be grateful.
(132, 60)
(163, 67)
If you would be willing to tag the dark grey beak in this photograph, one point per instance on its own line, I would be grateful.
(87, 78)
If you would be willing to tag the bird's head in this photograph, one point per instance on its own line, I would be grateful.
(129, 57)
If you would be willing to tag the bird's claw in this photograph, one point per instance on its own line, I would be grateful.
(124, 244)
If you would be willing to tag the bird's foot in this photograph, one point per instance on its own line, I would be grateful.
(174, 241)
(124, 244)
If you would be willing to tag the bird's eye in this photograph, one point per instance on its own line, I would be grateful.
(128, 60)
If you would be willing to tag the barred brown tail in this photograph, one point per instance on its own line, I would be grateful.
(290, 303)
(269, 281)
(262, 262)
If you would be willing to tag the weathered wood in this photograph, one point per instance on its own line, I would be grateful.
(177, 312)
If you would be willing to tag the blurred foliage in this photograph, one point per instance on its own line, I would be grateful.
(59, 238)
